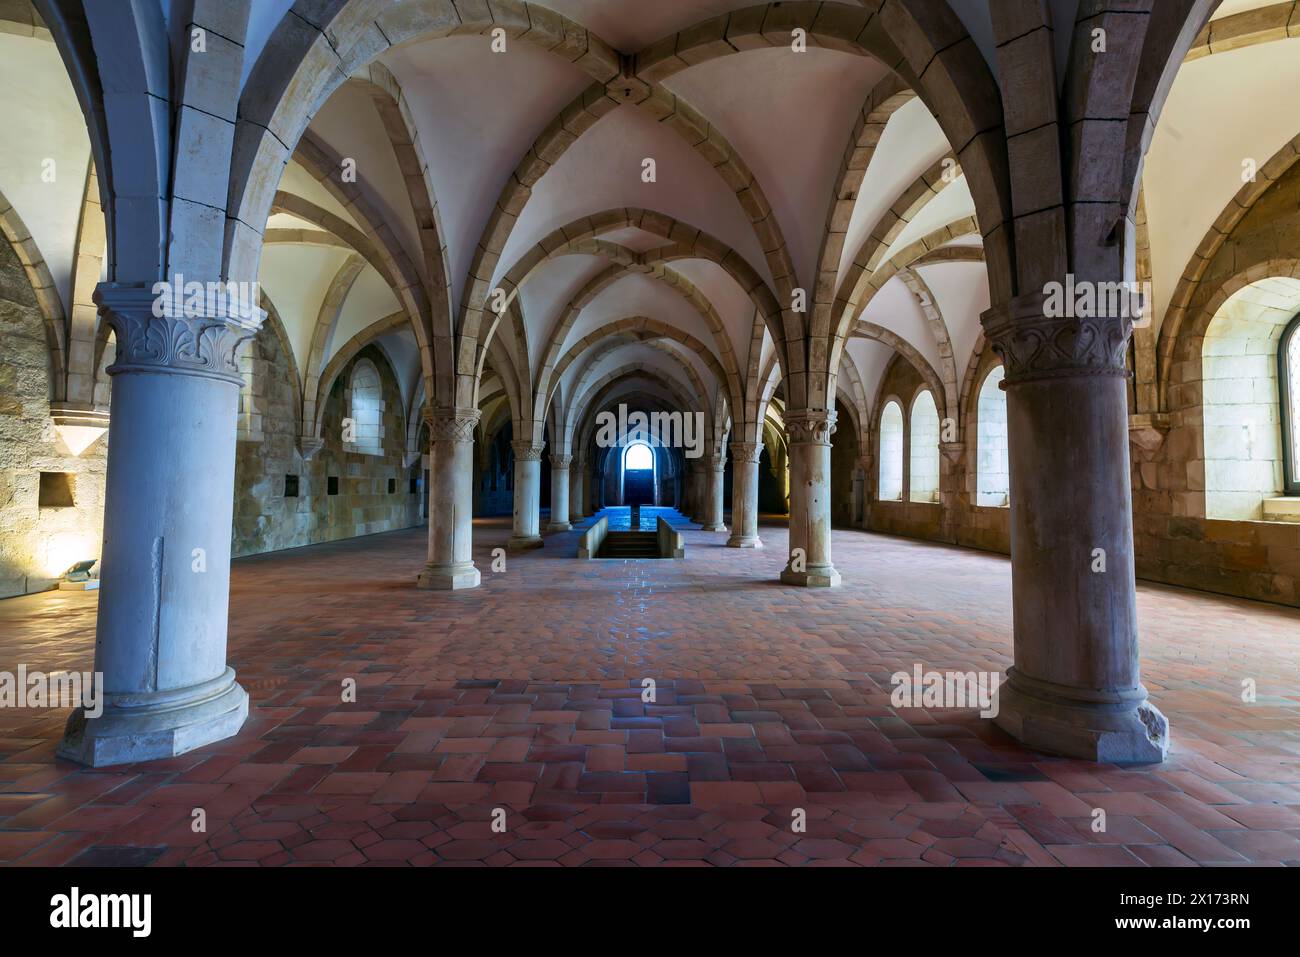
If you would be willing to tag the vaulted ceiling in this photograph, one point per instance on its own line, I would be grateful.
(752, 161)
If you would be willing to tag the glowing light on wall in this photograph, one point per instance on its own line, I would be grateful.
(75, 439)
(64, 549)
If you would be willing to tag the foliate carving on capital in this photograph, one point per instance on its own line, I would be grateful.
(749, 452)
(716, 459)
(149, 338)
(1034, 345)
(451, 424)
(810, 426)
(525, 451)
(561, 461)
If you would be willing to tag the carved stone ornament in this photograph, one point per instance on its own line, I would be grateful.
(561, 461)
(309, 445)
(810, 426)
(451, 424)
(1033, 345)
(180, 345)
(746, 451)
(525, 451)
(953, 451)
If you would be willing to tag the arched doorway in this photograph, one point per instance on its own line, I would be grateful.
(638, 474)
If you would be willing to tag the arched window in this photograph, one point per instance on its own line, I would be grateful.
(924, 452)
(366, 409)
(1288, 376)
(891, 453)
(1249, 365)
(992, 475)
(638, 457)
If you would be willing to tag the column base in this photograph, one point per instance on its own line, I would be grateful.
(448, 577)
(744, 541)
(150, 726)
(559, 527)
(815, 576)
(1111, 728)
(522, 544)
(713, 528)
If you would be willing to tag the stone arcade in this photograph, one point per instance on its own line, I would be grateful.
(452, 258)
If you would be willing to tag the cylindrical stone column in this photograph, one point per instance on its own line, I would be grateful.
(1075, 688)
(698, 494)
(451, 512)
(859, 496)
(560, 493)
(528, 490)
(169, 500)
(715, 467)
(744, 495)
(810, 432)
(577, 494)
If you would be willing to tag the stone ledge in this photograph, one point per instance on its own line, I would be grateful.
(1283, 509)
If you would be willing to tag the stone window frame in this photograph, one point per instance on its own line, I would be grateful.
(904, 440)
(974, 429)
(1287, 390)
(360, 446)
(909, 452)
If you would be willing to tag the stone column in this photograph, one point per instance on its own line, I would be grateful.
(560, 493)
(528, 492)
(169, 499)
(859, 496)
(1075, 688)
(451, 514)
(715, 468)
(744, 495)
(577, 493)
(952, 484)
(810, 432)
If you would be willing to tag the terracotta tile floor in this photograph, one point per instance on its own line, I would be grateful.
(525, 695)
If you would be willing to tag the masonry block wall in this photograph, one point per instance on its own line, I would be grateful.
(844, 461)
(954, 519)
(370, 493)
(38, 542)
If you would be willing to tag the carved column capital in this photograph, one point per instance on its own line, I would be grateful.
(1034, 345)
(449, 424)
(746, 451)
(525, 451)
(159, 331)
(561, 461)
(309, 445)
(716, 458)
(953, 451)
(810, 426)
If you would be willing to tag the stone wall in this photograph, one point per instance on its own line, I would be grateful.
(373, 492)
(954, 519)
(37, 544)
(1175, 541)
